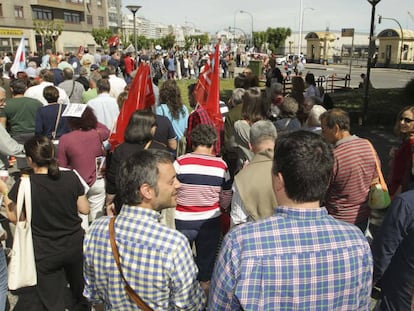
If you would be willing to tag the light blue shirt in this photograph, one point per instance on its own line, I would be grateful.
(180, 124)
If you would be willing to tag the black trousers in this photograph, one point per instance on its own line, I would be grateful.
(53, 275)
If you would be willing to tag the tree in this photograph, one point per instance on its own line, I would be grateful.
(276, 37)
(259, 39)
(195, 40)
(49, 30)
(167, 42)
(101, 36)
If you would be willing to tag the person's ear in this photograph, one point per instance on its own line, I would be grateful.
(147, 191)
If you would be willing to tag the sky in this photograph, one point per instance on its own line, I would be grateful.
(216, 15)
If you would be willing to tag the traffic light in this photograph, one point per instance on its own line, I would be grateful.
(379, 19)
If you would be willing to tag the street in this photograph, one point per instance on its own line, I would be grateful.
(380, 77)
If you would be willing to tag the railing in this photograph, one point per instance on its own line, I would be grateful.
(330, 83)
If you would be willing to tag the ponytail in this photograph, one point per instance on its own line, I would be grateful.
(53, 169)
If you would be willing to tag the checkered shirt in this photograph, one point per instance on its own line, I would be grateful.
(156, 261)
(298, 259)
(200, 116)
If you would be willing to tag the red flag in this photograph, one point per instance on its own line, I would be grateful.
(113, 41)
(207, 91)
(140, 97)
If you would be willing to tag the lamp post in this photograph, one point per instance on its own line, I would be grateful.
(371, 48)
(380, 18)
(301, 28)
(134, 9)
(251, 16)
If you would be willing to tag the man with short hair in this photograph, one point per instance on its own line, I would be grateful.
(19, 114)
(156, 261)
(253, 196)
(87, 59)
(300, 258)
(36, 91)
(57, 72)
(117, 84)
(73, 88)
(353, 172)
(92, 91)
(104, 106)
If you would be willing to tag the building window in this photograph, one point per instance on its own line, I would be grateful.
(77, 1)
(89, 19)
(100, 21)
(1, 10)
(18, 11)
(43, 14)
(72, 18)
(99, 2)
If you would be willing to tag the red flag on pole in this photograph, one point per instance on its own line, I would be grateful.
(207, 91)
(140, 97)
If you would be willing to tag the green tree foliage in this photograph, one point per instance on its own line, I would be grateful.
(101, 36)
(49, 30)
(167, 42)
(276, 37)
(259, 39)
(195, 40)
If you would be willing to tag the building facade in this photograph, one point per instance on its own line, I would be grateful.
(76, 17)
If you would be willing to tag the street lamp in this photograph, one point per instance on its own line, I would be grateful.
(134, 9)
(380, 18)
(251, 16)
(371, 48)
(301, 28)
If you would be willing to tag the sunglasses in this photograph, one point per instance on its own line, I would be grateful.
(406, 120)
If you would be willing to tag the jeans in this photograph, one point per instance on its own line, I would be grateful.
(206, 235)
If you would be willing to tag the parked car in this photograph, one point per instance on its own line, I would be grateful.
(281, 60)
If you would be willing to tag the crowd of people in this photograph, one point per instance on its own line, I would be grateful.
(267, 212)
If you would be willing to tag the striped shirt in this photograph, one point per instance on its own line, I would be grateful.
(298, 259)
(205, 186)
(354, 169)
(156, 261)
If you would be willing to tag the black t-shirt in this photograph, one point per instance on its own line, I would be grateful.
(55, 221)
(164, 131)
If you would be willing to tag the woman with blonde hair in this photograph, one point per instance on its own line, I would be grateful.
(402, 168)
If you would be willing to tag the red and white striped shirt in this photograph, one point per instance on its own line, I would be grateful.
(205, 186)
(354, 169)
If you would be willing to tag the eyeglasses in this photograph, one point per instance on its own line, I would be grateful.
(406, 120)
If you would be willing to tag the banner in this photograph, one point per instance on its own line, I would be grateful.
(19, 63)
(140, 97)
(207, 91)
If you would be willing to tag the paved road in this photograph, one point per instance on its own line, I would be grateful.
(380, 77)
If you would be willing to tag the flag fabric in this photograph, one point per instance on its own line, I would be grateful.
(140, 97)
(207, 91)
(19, 63)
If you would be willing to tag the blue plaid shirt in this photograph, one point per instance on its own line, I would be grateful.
(298, 259)
(156, 261)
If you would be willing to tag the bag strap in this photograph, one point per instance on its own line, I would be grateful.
(24, 198)
(131, 293)
(73, 88)
(379, 172)
(57, 122)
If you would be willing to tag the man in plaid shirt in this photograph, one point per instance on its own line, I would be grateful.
(300, 258)
(157, 261)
